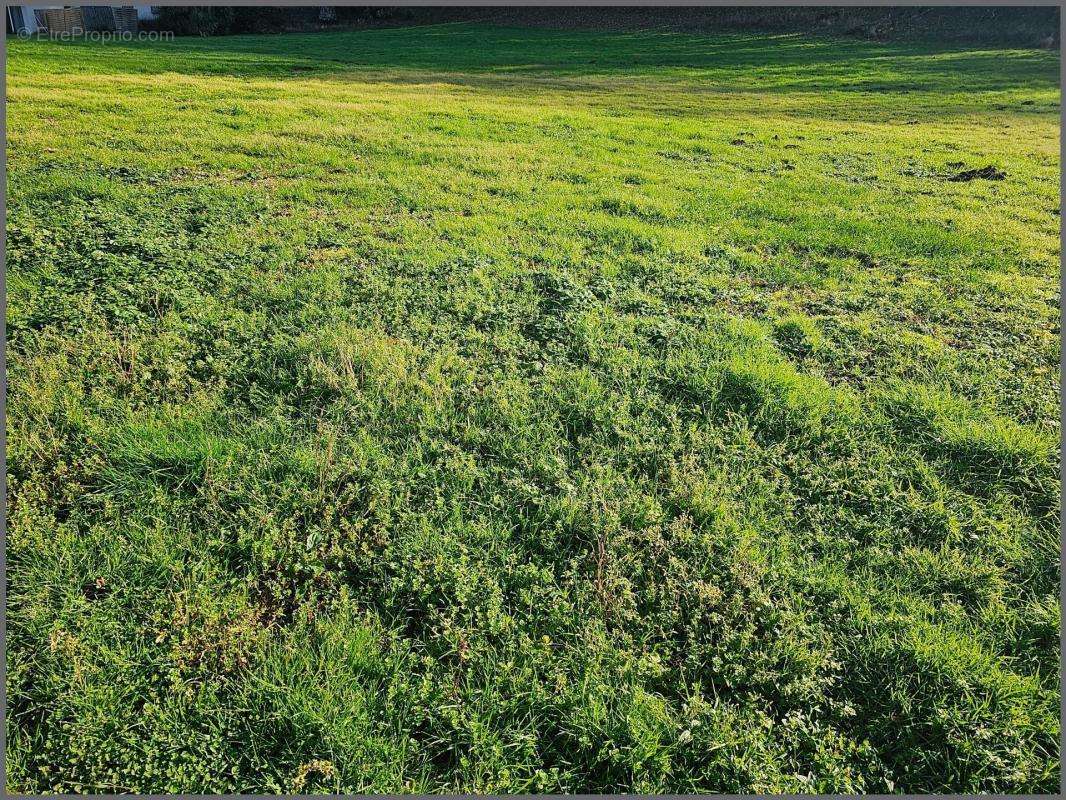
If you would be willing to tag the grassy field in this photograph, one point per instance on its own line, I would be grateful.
(472, 409)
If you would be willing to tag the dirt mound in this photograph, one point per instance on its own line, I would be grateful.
(988, 173)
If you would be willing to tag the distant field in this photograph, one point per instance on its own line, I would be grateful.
(472, 409)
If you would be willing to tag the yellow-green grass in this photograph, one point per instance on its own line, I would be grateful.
(467, 409)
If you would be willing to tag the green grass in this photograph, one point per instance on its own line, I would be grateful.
(466, 409)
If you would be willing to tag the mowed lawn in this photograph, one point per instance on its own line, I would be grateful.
(470, 409)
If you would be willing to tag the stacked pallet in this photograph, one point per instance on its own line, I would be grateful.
(125, 19)
(67, 21)
(98, 18)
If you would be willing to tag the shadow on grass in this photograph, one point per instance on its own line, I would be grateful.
(467, 54)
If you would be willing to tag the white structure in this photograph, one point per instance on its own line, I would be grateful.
(21, 20)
